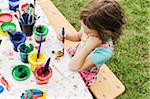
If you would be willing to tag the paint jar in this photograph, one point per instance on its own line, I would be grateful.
(8, 26)
(13, 4)
(27, 28)
(27, 24)
(24, 50)
(5, 17)
(34, 62)
(18, 38)
(39, 31)
(42, 78)
(20, 72)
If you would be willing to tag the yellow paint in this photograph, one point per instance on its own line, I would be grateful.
(44, 95)
(3, 33)
(34, 62)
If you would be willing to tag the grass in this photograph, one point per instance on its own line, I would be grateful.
(131, 60)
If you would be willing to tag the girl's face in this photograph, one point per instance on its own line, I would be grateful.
(94, 33)
(88, 31)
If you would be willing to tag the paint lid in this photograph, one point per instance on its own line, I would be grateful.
(20, 72)
(1, 89)
(8, 26)
(24, 7)
(5, 17)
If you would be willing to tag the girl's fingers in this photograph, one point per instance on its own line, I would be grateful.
(59, 37)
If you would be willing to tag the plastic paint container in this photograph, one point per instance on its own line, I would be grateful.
(24, 50)
(39, 31)
(18, 38)
(34, 62)
(8, 26)
(24, 7)
(13, 4)
(27, 24)
(2, 33)
(27, 28)
(5, 17)
(20, 72)
(42, 78)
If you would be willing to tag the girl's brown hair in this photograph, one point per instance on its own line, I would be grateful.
(103, 16)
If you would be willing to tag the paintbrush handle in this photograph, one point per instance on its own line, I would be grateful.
(39, 50)
(10, 34)
(33, 16)
(20, 16)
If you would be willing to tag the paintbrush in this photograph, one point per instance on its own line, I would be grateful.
(63, 34)
(37, 18)
(30, 11)
(0, 42)
(33, 15)
(20, 16)
(39, 49)
(10, 34)
(46, 66)
(16, 16)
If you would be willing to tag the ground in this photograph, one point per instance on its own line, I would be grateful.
(131, 60)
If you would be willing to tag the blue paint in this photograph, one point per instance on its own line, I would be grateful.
(1, 89)
(18, 38)
(63, 34)
(46, 66)
(13, 4)
(37, 93)
(26, 16)
(39, 49)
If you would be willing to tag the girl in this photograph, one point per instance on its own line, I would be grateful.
(101, 23)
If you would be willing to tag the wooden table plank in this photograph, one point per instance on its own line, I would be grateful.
(57, 20)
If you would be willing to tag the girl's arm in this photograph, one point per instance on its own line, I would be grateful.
(75, 37)
(80, 61)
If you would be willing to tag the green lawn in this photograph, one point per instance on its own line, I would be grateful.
(131, 60)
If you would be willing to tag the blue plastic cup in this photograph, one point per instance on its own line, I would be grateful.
(13, 4)
(18, 38)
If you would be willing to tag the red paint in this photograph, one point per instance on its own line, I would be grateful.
(24, 7)
(40, 72)
(42, 78)
(30, 39)
(5, 83)
(36, 47)
(5, 17)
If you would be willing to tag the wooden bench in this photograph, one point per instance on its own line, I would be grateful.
(107, 86)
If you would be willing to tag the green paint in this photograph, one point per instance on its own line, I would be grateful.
(20, 72)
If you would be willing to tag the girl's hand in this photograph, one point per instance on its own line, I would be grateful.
(60, 37)
(79, 59)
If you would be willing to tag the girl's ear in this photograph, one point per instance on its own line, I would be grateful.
(107, 34)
